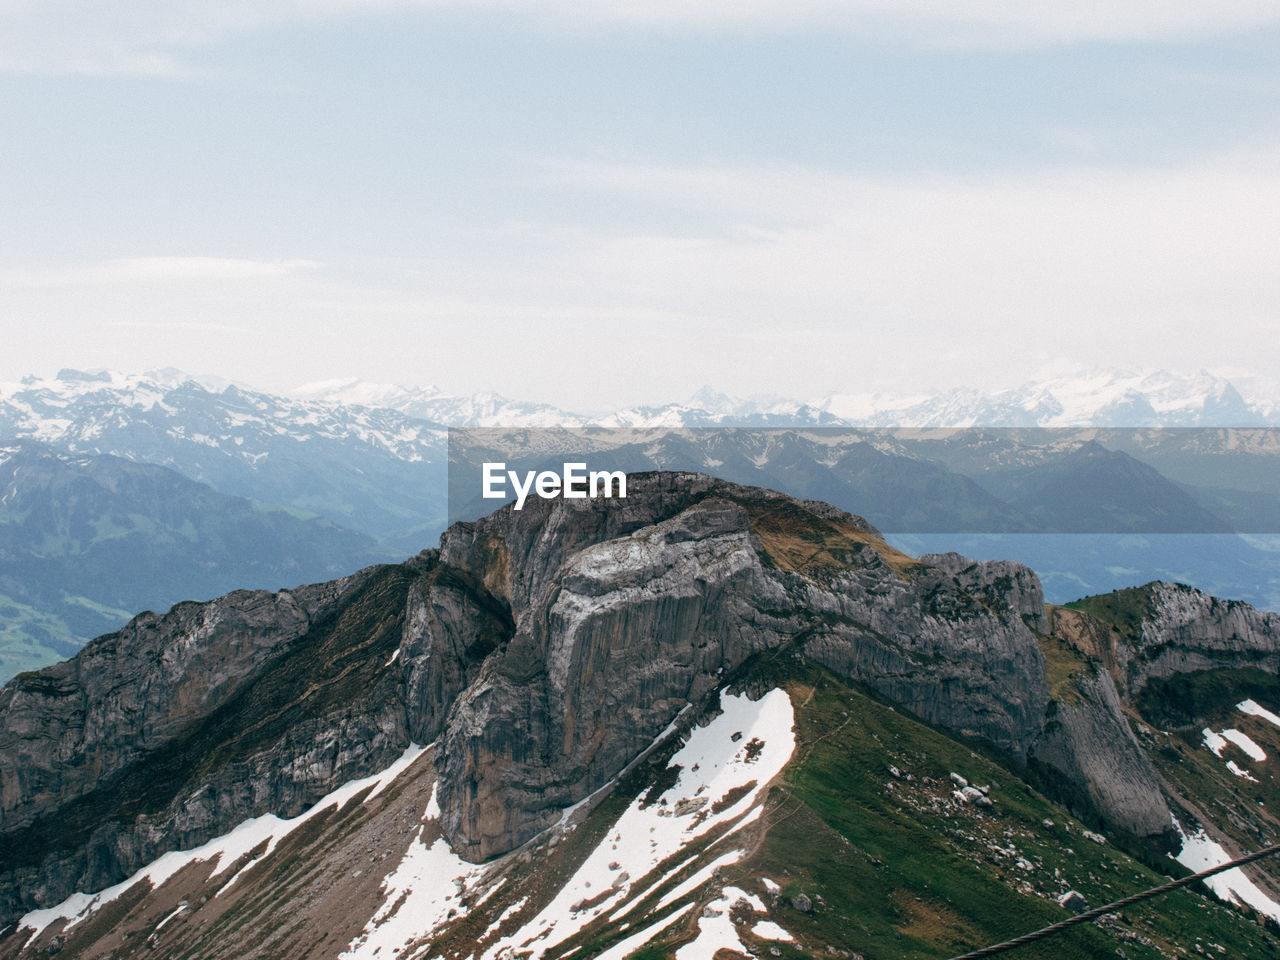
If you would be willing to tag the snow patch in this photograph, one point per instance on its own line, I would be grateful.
(620, 950)
(1213, 741)
(749, 741)
(424, 891)
(715, 930)
(1200, 853)
(1240, 771)
(1242, 741)
(768, 930)
(176, 911)
(698, 879)
(513, 909)
(1252, 708)
(225, 850)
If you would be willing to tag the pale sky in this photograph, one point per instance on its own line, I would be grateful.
(609, 203)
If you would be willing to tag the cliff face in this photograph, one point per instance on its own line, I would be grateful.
(542, 651)
(166, 732)
(616, 631)
(1188, 630)
(1162, 629)
(1087, 739)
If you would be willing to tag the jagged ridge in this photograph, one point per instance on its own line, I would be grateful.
(542, 650)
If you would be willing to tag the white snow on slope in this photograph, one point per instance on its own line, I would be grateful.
(1243, 741)
(619, 951)
(1200, 853)
(513, 909)
(715, 930)
(226, 850)
(768, 930)
(1213, 741)
(1240, 771)
(1252, 708)
(748, 741)
(428, 884)
(690, 884)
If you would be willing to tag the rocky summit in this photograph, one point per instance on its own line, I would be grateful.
(525, 679)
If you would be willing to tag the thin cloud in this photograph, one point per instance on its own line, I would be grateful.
(198, 268)
(152, 38)
(147, 270)
(1112, 261)
(878, 282)
(188, 326)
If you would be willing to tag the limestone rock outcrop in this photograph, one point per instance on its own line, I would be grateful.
(542, 650)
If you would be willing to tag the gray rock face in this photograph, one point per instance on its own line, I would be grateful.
(604, 657)
(1159, 630)
(1168, 629)
(136, 689)
(179, 726)
(1190, 630)
(685, 579)
(1088, 739)
(541, 649)
(1001, 582)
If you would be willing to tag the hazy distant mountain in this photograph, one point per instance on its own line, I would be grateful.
(1102, 398)
(365, 468)
(430, 403)
(1105, 398)
(372, 458)
(86, 542)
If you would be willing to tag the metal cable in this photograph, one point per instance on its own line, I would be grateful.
(1089, 915)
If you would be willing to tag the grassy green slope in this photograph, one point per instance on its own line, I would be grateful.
(896, 867)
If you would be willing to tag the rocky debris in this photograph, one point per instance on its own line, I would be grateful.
(689, 805)
(1073, 901)
(959, 781)
(802, 903)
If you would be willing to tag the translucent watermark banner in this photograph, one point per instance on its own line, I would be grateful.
(947, 480)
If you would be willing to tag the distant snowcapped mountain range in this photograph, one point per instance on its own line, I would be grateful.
(371, 460)
(1094, 398)
(355, 451)
(70, 407)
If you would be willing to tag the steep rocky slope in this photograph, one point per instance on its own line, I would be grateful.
(542, 652)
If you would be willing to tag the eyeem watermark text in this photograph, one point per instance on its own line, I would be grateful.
(573, 482)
